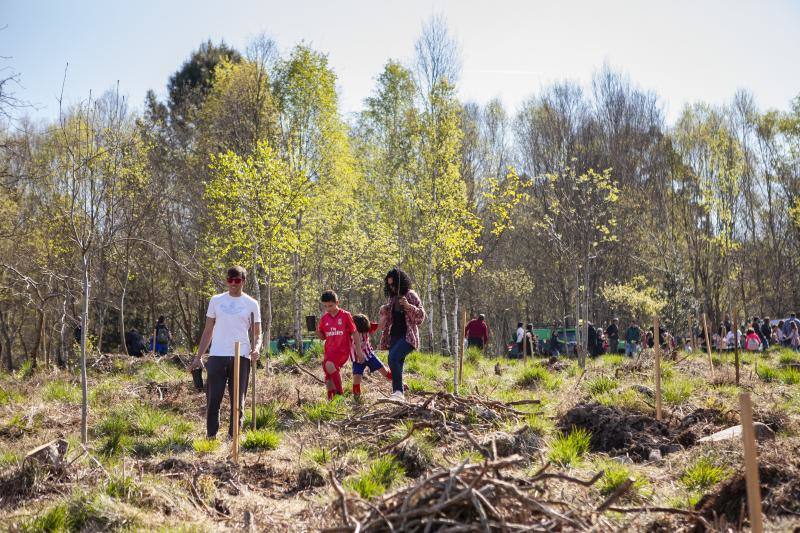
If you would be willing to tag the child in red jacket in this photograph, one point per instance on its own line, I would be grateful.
(337, 329)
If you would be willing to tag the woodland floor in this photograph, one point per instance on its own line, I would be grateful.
(489, 459)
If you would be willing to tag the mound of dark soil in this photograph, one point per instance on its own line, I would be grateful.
(779, 474)
(619, 432)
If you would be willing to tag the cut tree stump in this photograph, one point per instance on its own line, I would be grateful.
(50, 455)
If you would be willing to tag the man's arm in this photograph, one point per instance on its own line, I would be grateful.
(205, 342)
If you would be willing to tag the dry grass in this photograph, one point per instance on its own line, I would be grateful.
(147, 430)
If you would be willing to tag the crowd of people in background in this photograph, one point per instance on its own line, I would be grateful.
(757, 335)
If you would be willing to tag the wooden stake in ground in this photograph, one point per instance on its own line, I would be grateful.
(708, 345)
(235, 417)
(751, 464)
(735, 326)
(461, 348)
(253, 365)
(657, 351)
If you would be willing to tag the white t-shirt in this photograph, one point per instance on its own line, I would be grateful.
(232, 323)
(520, 335)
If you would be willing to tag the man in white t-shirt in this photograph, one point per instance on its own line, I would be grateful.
(228, 321)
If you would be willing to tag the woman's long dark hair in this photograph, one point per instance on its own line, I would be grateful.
(401, 281)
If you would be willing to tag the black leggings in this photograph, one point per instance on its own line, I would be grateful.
(220, 373)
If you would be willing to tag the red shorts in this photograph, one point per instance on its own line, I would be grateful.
(338, 360)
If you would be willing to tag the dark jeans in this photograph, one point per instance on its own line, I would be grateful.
(475, 341)
(397, 356)
(220, 374)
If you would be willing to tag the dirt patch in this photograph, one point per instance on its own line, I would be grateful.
(700, 423)
(779, 474)
(619, 432)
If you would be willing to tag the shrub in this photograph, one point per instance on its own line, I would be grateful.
(615, 474)
(319, 456)
(768, 373)
(536, 375)
(323, 411)
(266, 416)
(790, 375)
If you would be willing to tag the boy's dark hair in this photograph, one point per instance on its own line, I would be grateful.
(237, 271)
(362, 323)
(519, 324)
(329, 296)
(401, 281)
(161, 319)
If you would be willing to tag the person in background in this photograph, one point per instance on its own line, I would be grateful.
(228, 322)
(787, 326)
(777, 335)
(400, 319)
(530, 339)
(134, 341)
(794, 337)
(520, 336)
(632, 338)
(477, 332)
(766, 332)
(752, 341)
(554, 348)
(163, 336)
(612, 332)
(726, 323)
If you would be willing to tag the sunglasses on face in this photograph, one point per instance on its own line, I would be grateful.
(235, 281)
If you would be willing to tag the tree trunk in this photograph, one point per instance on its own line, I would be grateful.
(122, 342)
(443, 315)
(267, 318)
(298, 304)
(84, 333)
(39, 334)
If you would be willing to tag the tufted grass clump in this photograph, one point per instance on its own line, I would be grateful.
(570, 448)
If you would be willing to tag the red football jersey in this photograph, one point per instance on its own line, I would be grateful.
(337, 330)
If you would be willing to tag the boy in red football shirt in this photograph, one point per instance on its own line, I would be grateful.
(337, 329)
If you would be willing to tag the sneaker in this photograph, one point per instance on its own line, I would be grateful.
(398, 396)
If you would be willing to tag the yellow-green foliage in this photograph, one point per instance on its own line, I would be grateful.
(703, 474)
(379, 476)
(569, 448)
(261, 439)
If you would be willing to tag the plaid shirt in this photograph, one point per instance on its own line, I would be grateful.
(414, 317)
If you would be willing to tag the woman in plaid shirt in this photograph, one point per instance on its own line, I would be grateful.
(400, 319)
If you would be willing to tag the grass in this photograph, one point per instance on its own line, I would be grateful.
(600, 385)
(7, 397)
(323, 411)
(61, 391)
(703, 474)
(569, 448)
(628, 399)
(123, 488)
(82, 512)
(615, 474)
(788, 357)
(261, 439)
(378, 477)
(205, 446)
(677, 390)
(267, 416)
(536, 375)
(8, 459)
(790, 375)
(768, 374)
(612, 359)
(319, 455)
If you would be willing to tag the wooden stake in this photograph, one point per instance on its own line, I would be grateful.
(735, 326)
(235, 419)
(463, 336)
(253, 365)
(751, 464)
(708, 345)
(657, 351)
(691, 333)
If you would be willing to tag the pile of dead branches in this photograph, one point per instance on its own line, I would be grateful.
(472, 497)
(452, 418)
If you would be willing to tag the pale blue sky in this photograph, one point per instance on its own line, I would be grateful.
(684, 50)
